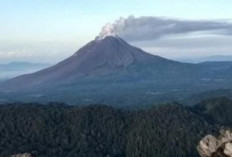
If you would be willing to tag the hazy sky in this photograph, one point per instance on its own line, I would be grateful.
(50, 30)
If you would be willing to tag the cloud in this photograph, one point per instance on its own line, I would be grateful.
(188, 47)
(150, 28)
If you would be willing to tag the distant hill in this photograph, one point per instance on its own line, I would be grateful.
(218, 58)
(112, 72)
(215, 58)
(216, 110)
(14, 69)
(198, 97)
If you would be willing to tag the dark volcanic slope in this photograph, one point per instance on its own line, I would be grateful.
(97, 58)
(110, 71)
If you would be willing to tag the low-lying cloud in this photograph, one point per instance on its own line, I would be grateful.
(150, 28)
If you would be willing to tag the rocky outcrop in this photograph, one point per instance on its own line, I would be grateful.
(22, 155)
(220, 146)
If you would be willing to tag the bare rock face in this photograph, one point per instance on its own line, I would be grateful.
(22, 155)
(220, 146)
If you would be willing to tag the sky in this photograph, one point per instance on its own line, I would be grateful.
(49, 31)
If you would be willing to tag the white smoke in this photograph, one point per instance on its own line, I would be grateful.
(107, 30)
(149, 28)
(112, 29)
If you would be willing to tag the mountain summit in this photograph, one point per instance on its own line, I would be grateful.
(97, 58)
(108, 53)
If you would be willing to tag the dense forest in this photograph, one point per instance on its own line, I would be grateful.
(59, 130)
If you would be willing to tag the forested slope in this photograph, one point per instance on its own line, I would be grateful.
(58, 130)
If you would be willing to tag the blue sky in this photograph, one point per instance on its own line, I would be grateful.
(50, 30)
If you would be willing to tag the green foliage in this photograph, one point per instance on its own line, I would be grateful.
(58, 130)
(167, 130)
(217, 110)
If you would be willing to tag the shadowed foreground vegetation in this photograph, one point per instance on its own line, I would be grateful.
(58, 130)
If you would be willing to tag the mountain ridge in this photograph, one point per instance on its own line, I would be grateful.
(16, 68)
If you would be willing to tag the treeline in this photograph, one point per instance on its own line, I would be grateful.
(58, 130)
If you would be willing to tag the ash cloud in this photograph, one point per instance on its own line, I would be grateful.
(150, 28)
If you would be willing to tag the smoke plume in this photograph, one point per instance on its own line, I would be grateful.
(149, 28)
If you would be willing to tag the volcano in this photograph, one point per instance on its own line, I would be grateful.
(111, 71)
(109, 56)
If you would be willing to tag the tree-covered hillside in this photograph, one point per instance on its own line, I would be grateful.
(58, 130)
(217, 110)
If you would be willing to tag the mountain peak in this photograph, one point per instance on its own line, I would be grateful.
(112, 51)
(103, 37)
(109, 37)
(110, 55)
